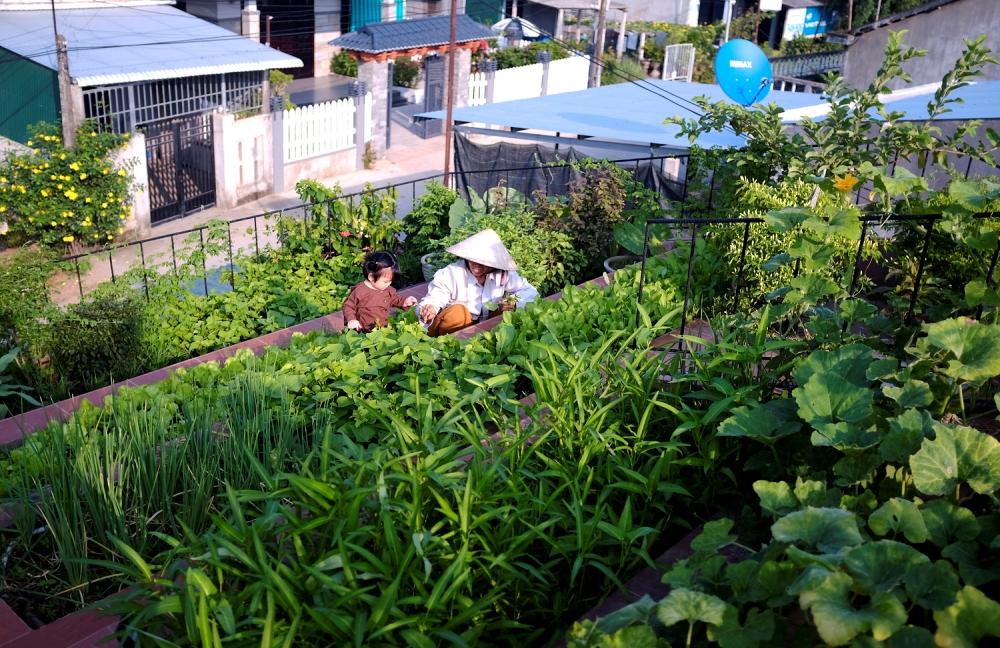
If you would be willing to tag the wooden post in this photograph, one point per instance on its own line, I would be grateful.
(67, 111)
(595, 59)
(451, 91)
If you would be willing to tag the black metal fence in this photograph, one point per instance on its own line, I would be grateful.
(139, 251)
(868, 223)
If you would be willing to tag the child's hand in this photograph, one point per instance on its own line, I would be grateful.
(354, 325)
(410, 302)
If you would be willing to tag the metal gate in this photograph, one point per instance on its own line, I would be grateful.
(434, 80)
(181, 160)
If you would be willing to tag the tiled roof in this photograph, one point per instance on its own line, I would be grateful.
(411, 34)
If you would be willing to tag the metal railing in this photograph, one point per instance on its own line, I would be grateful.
(259, 239)
(804, 65)
(868, 222)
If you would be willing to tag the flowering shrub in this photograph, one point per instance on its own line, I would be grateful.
(57, 196)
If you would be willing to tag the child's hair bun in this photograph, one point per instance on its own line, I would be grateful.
(376, 262)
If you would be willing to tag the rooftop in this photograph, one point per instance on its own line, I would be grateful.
(123, 44)
(411, 34)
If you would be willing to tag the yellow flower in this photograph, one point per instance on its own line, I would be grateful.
(30, 143)
(846, 183)
(75, 166)
(46, 193)
(62, 156)
(87, 199)
(72, 195)
(110, 238)
(52, 223)
(3, 208)
(68, 238)
(121, 172)
(83, 176)
(121, 230)
(3, 178)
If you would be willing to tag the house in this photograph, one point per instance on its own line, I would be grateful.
(304, 28)
(135, 66)
(940, 27)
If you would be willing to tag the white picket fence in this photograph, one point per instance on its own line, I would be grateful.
(568, 74)
(321, 129)
(565, 75)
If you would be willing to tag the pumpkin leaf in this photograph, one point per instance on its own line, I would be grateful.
(899, 516)
(947, 522)
(906, 432)
(827, 529)
(765, 423)
(965, 623)
(759, 627)
(691, 606)
(826, 595)
(932, 585)
(956, 455)
(913, 393)
(974, 348)
(882, 565)
(775, 497)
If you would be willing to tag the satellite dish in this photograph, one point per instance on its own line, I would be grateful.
(743, 71)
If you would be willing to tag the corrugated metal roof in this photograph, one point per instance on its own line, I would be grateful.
(979, 100)
(411, 34)
(112, 45)
(624, 112)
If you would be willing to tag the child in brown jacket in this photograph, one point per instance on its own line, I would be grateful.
(368, 304)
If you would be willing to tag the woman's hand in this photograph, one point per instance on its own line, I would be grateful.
(354, 325)
(427, 313)
(410, 302)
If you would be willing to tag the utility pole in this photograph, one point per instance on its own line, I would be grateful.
(727, 17)
(453, 29)
(597, 56)
(67, 115)
(850, 15)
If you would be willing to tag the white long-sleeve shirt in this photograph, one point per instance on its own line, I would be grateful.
(454, 284)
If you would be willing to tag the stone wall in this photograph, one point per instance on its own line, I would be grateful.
(375, 76)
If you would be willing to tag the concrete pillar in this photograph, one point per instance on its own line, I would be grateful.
(641, 46)
(226, 160)
(463, 70)
(560, 24)
(375, 76)
(388, 10)
(358, 91)
(544, 58)
(489, 68)
(138, 223)
(250, 21)
(620, 45)
(278, 142)
(326, 28)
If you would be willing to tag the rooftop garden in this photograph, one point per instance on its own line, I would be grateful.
(828, 430)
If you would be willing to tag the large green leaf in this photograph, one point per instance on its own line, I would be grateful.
(964, 624)
(809, 289)
(932, 585)
(775, 497)
(827, 596)
(913, 393)
(947, 522)
(785, 220)
(849, 362)
(765, 423)
(956, 455)
(880, 566)
(827, 398)
(974, 347)
(714, 536)
(827, 529)
(691, 606)
(759, 627)
(906, 432)
(899, 516)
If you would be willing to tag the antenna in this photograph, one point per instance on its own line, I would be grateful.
(743, 71)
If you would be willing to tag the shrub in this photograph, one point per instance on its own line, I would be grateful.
(59, 197)
(546, 258)
(428, 221)
(624, 71)
(99, 341)
(405, 72)
(344, 64)
(518, 56)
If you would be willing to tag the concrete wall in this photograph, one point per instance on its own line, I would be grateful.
(681, 12)
(327, 28)
(9, 145)
(940, 32)
(223, 14)
(324, 167)
(137, 225)
(244, 160)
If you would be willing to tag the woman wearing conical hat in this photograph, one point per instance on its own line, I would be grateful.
(459, 293)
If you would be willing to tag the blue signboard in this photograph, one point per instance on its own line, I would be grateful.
(809, 22)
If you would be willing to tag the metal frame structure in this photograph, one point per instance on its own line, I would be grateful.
(127, 107)
(867, 223)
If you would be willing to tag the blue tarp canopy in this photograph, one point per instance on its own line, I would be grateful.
(624, 114)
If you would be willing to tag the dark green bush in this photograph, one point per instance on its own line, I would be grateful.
(344, 64)
(405, 72)
(99, 341)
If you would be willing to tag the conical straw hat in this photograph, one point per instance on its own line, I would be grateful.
(485, 247)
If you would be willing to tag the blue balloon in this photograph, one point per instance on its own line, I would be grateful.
(743, 71)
